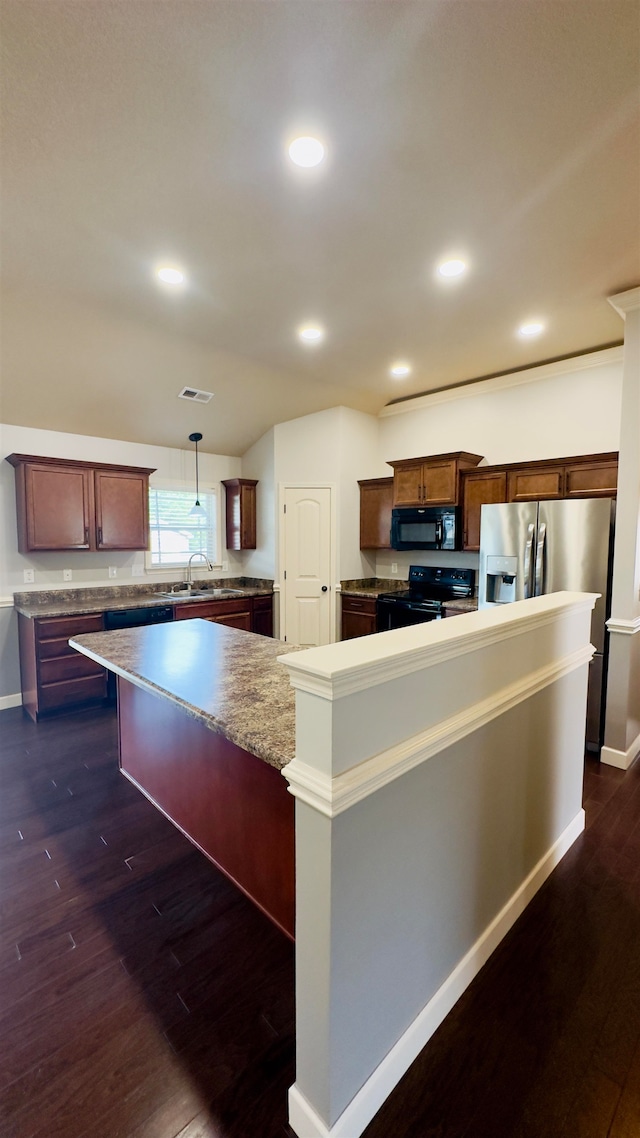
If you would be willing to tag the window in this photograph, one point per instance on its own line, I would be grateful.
(175, 535)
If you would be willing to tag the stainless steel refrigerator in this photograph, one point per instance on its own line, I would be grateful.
(530, 548)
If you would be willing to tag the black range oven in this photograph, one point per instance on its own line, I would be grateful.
(429, 589)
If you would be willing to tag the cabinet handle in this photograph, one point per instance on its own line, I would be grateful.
(86, 535)
(99, 535)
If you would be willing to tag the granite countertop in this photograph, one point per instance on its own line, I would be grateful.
(227, 679)
(371, 586)
(79, 602)
(469, 604)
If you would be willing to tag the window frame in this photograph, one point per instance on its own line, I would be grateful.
(212, 489)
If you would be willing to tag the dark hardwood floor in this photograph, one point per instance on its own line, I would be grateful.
(141, 996)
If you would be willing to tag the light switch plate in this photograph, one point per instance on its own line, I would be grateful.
(137, 570)
(394, 566)
(113, 572)
(67, 575)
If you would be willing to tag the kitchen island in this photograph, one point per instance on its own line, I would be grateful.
(206, 721)
(437, 779)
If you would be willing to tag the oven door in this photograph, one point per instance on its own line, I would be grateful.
(394, 614)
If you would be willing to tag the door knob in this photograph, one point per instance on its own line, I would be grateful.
(324, 588)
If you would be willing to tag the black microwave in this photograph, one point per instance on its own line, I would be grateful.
(417, 527)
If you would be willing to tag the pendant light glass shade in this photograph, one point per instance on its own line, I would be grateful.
(197, 511)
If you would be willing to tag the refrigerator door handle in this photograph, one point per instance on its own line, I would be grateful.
(540, 555)
(528, 562)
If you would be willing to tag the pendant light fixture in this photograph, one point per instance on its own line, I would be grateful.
(197, 511)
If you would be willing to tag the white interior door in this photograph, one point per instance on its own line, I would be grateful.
(307, 565)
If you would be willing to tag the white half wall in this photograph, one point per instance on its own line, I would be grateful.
(421, 834)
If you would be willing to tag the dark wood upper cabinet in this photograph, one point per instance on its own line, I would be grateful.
(580, 476)
(68, 505)
(241, 512)
(479, 488)
(530, 484)
(592, 477)
(432, 480)
(376, 500)
(122, 509)
(55, 507)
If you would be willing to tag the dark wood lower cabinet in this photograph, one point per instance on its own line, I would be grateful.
(54, 676)
(263, 616)
(358, 617)
(251, 614)
(231, 805)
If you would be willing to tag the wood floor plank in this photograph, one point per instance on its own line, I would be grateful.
(173, 1015)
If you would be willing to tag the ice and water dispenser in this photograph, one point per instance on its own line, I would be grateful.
(501, 579)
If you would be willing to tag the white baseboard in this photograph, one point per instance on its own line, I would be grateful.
(305, 1121)
(10, 701)
(620, 759)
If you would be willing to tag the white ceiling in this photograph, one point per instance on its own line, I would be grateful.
(140, 129)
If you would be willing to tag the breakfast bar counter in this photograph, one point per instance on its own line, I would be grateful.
(206, 719)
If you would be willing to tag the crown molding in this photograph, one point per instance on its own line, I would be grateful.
(624, 302)
(471, 388)
(626, 627)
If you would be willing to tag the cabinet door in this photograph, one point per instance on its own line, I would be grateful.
(241, 512)
(530, 485)
(247, 517)
(57, 511)
(376, 500)
(263, 616)
(591, 479)
(479, 490)
(407, 484)
(358, 617)
(440, 484)
(122, 509)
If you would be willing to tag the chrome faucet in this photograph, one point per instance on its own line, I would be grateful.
(209, 566)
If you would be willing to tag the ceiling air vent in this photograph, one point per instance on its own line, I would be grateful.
(194, 395)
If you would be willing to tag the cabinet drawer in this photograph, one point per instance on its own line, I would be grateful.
(359, 604)
(68, 668)
(209, 609)
(65, 626)
(85, 689)
(240, 620)
(52, 649)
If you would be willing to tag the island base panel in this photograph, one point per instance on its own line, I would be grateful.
(230, 804)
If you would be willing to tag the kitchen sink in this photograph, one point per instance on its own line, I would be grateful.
(198, 594)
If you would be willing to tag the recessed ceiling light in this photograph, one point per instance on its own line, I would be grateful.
(171, 275)
(531, 328)
(453, 268)
(311, 334)
(400, 370)
(306, 151)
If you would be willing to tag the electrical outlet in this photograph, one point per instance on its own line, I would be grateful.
(29, 576)
(137, 570)
(113, 572)
(67, 575)
(225, 566)
(394, 566)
